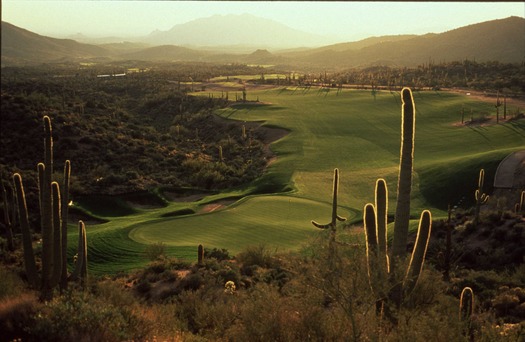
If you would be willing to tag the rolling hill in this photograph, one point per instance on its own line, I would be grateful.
(497, 40)
(22, 46)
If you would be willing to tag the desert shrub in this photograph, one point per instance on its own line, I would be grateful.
(78, 316)
(208, 311)
(216, 253)
(192, 281)
(258, 255)
(16, 314)
(10, 283)
(155, 251)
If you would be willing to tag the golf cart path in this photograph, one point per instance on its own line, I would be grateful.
(511, 171)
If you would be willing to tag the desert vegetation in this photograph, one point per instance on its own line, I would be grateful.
(191, 230)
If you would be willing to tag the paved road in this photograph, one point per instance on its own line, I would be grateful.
(510, 171)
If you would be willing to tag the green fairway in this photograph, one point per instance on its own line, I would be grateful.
(280, 222)
(351, 130)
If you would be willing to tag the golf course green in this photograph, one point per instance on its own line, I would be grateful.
(352, 130)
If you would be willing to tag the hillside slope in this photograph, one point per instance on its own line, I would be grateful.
(22, 46)
(497, 40)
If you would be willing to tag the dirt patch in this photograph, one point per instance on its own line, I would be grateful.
(176, 197)
(238, 87)
(208, 208)
(490, 98)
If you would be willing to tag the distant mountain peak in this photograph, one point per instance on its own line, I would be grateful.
(236, 29)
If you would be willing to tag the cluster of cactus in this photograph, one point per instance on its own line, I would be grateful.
(381, 268)
(54, 216)
(480, 197)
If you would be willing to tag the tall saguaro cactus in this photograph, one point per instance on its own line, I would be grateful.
(404, 185)
(45, 171)
(65, 212)
(384, 278)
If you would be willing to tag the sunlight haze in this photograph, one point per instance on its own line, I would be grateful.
(339, 21)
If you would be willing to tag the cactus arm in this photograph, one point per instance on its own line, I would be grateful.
(381, 205)
(64, 218)
(404, 184)
(369, 219)
(29, 257)
(420, 249)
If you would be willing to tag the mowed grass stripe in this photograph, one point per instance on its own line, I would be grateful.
(278, 221)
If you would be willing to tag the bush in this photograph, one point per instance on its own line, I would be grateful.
(80, 316)
(219, 254)
(155, 251)
(256, 256)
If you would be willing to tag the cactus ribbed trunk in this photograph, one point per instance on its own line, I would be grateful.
(57, 236)
(27, 243)
(80, 271)
(200, 255)
(8, 223)
(420, 249)
(45, 172)
(64, 220)
(381, 206)
(404, 185)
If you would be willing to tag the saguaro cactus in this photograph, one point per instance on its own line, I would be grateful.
(480, 197)
(466, 304)
(64, 220)
(404, 185)
(381, 269)
(335, 216)
(27, 243)
(7, 220)
(519, 206)
(466, 309)
(332, 225)
(200, 254)
(80, 270)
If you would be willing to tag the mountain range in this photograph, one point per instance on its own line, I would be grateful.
(252, 40)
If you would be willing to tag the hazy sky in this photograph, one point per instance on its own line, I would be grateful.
(347, 21)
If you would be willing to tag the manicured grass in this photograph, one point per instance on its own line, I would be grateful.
(350, 130)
